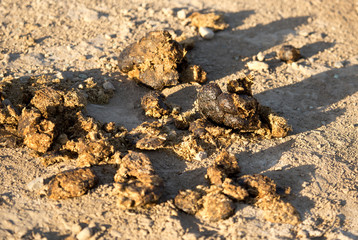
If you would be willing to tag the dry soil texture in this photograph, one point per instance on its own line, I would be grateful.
(318, 95)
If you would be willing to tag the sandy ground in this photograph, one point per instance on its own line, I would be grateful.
(318, 96)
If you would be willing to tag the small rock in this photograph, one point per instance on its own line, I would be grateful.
(336, 76)
(85, 234)
(116, 234)
(59, 75)
(338, 64)
(108, 86)
(76, 228)
(35, 184)
(83, 76)
(201, 155)
(181, 14)
(6, 58)
(257, 66)
(260, 56)
(303, 33)
(167, 11)
(206, 33)
(294, 65)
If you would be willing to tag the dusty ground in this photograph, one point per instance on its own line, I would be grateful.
(318, 95)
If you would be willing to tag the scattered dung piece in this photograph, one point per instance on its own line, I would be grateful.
(154, 105)
(205, 203)
(137, 185)
(239, 110)
(288, 53)
(234, 190)
(209, 20)
(188, 201)
(46, 113)
(73, 183)
(193, 73)
(148, 136)
(153, 60)
(263, 193)
(216, 206)
(225, 166)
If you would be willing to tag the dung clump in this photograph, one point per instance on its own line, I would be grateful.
(47, 115)
(205, 203)
(156, 61)
(239, 110)
(288, 53)
(154, 105)
(137, 184)
(263, 194)
(225, 166)
(209, 20)
(73, 183)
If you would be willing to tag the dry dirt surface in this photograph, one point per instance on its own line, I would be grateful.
(79, 42)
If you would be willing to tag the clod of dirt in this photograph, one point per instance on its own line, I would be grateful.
(239, 110)
(225, 166)
(157, 61)
(154, 105)
(263, 193)
(72, 183)
(206, 203)
(288, 53)
(137, 185)
(209, 20)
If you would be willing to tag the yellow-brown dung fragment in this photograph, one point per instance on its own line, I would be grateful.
(47, 114)
(225, 166)
(156, 61)
(263, 193)
(210, 20)
(205, 203)
(72, 183)
(239, 110)
(149, 136)
(154, 105)
(288, 53)
(137, 184)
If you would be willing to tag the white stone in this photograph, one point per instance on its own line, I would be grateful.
(35, 184)
(108, 86)
(257, 66)
(85, 234)
(206, 33)
(181, 14)
(59, 75)
(338, 65)
(201, 155)
(76, 228)
(260, 56)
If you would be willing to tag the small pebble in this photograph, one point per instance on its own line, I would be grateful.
(85, 234)
(80, 86)
(260, 56)
(116, 234)
(181, 14)
(167, 11)
(206, 33)
(336, 76)
(108, 86)
(294, 65)
(35, 184)
(76, 228)
(257, 66)
(201, 155)
(338, 65)
(303, 33)
(60, 75)
(6, 58)
(83, 76)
